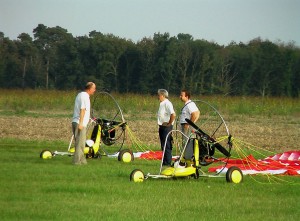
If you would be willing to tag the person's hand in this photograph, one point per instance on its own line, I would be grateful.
(80, 126)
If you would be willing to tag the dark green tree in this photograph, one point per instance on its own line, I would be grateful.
(184, 57)
(27, 54)
(165, 60)
(146, 48)
(57, 60)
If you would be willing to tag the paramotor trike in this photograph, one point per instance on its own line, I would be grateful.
(105, 134)
(202, 143)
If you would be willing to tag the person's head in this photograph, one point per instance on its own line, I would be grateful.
(185, 95)
(90, 88)
(162, 94)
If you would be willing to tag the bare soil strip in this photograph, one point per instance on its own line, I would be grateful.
(278, 133)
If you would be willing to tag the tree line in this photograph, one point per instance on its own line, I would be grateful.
(55, 59)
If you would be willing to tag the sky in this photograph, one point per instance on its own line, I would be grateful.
(220, 21)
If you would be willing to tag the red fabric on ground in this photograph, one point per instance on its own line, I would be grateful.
(287, 163)
(152, 155)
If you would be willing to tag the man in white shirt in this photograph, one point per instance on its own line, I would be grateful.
(189, 111)
(81, 117)
(165, 119)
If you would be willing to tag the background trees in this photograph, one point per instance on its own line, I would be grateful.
(54, 59)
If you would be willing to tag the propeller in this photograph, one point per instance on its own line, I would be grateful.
(201, 133)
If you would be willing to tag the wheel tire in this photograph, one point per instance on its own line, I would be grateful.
(234, 175)
(196, 175)
(137, 176)
(46, 154)
(125, 156)
(90, 154)
(98, 155)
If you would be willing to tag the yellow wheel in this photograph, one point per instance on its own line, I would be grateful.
(234, 175)
(46, 154)
(137, 176)
(125, 156)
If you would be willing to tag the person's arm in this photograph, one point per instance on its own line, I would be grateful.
(82, 113)
(172, 118)
(195, 116)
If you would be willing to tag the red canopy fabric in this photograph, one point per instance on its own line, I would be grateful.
(151, 155)
(287, 163)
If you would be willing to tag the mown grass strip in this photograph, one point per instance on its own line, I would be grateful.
(36, 189)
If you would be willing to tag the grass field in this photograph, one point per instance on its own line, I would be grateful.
(22, 101)
(36, 189)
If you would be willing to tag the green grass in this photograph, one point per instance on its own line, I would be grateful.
(36, 189)
(21, 102)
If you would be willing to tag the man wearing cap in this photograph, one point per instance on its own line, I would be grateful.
(81, 117)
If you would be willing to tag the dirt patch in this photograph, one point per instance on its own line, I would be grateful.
(32, 128)
(278, 133)
(54, 128)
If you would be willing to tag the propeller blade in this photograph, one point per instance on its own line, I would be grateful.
(201, 132)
